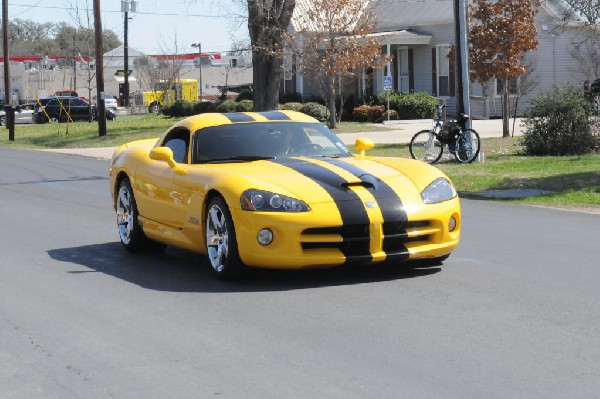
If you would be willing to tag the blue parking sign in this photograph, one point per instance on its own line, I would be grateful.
(387, 82)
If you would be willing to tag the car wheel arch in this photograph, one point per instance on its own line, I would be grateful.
(120, 177)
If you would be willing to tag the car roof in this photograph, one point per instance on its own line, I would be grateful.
(210, 119)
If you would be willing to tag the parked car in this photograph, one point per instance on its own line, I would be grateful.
(65, 109)
(110, 102)
(278, 189)
(23, 114)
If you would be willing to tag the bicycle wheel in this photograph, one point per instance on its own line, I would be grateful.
(424, 146)
(467, 146)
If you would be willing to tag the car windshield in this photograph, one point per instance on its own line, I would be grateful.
(244, 142)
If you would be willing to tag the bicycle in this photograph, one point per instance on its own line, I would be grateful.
(428, 145)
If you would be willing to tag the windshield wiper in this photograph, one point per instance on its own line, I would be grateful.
(239, 158)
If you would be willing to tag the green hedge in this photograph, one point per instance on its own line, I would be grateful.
(410, 106)
(560, 123)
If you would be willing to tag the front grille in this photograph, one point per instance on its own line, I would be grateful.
(354, 240)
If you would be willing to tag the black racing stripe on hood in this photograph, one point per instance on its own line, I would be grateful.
(386, 197)
(236, 117)
(275, 116)
(395, 218)
(349, 204)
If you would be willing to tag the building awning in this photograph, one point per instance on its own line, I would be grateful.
(401, 37)
(121, 79)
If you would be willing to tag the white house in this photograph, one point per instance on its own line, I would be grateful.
(418, 35)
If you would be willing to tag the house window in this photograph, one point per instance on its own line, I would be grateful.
(443, 71)
(403, 71)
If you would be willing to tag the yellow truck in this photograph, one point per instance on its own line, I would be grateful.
(166, 92)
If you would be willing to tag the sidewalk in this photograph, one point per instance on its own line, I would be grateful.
(399, 132)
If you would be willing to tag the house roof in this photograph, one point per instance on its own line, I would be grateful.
(392, 15)
(402, 37)
(304, 7)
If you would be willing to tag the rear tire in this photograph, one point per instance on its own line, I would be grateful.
(424, 146)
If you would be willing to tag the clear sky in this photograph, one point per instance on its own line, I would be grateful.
(157, 26)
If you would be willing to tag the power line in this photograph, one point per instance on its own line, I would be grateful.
(36, 5)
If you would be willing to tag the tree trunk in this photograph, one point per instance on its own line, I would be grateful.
(266, 23)
(505, 110)
(266, 72)
(331, 102)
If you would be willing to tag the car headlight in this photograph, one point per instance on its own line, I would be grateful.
(258, 200)
(438, 191)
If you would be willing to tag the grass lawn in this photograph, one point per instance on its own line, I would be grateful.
(575, 180)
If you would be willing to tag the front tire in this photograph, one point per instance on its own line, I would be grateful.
(467, 146)
(130, 232)
(221, 243)
(424, 146)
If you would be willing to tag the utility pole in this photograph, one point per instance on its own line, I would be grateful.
(100, 106)
(126, 6)
(8, 108)
(199, 45)
(461, 57)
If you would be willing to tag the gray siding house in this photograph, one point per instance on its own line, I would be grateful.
(418, 36)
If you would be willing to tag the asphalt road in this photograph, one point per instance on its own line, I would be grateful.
(513, 313)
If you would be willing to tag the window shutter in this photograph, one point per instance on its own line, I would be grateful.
(433, 72)
(452, 76)
(411, 71)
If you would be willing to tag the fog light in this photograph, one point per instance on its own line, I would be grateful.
(265, 237)
(452, 224)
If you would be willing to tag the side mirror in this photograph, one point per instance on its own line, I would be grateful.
(363, 144)
(166, 154)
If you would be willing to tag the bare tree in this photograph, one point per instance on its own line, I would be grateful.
(525, 84)
(334, 44)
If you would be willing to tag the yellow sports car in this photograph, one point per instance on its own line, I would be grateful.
(278, 189)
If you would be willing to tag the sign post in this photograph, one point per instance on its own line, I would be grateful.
(388, 82)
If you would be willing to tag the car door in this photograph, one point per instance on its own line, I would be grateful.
(78, 109)
(161, 198)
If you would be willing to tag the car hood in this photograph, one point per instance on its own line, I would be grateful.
(317, 180)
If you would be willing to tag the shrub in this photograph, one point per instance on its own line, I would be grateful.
(316, 110)
(292, 106)
(290, 98)
(410, 106)
(559, 123)
(227, 106)
(179, 108)
(244, 106)
(203, 107)
(393, 115)
(368, 113)
(245, 95)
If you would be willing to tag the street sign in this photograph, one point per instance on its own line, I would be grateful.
(387, 82)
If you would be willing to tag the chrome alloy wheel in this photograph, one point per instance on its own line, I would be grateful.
(125, 215)
(217, 238)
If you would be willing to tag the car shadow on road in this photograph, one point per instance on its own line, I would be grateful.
(177, 270)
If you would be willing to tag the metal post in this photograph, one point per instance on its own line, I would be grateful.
(199, 45)
(10, 111)
(126, 58)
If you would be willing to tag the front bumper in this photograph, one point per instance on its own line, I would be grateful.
(318, 238)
